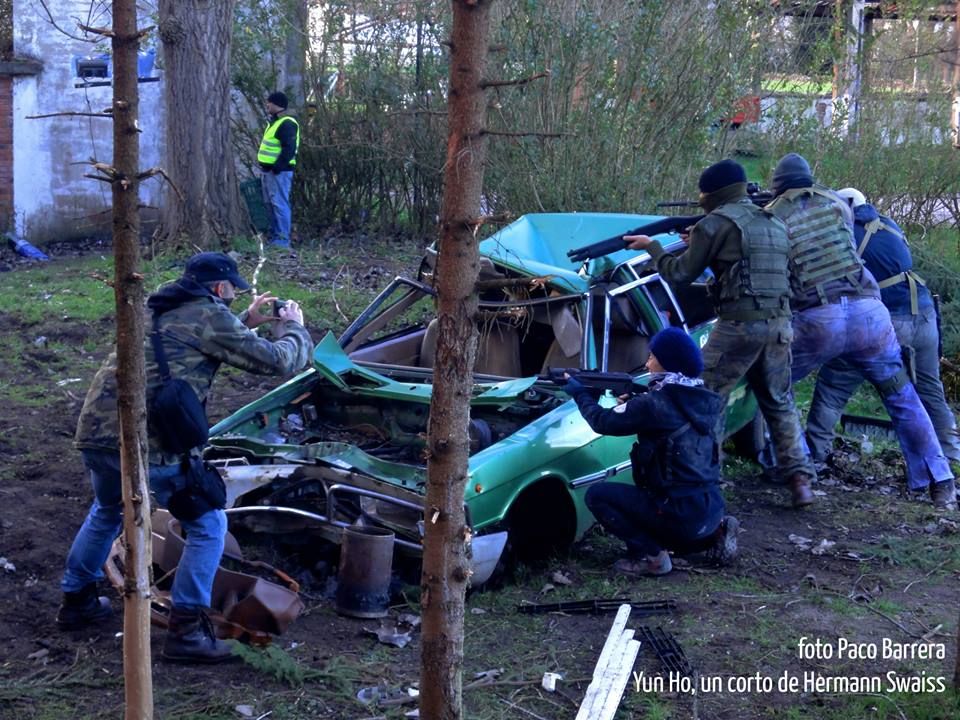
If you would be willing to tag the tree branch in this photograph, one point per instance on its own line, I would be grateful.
(146, 174)
(502, 133)
(53, 22)
(105, 32)
(68, 113)
(519, 81)
(101, 178)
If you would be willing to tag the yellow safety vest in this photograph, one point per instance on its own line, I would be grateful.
(270, 146)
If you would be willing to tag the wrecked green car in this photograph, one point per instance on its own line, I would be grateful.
(344, 441)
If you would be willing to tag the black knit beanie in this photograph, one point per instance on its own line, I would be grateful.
(793, 171)
(721, 174)
(278, 99)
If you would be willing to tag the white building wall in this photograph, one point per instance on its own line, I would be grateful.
(52, 199)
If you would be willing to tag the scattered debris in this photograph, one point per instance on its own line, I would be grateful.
(67, 381)
(599, 605)
(486, 676)
(821, 547)
(800, 541)
(560, 579)
(7, 566)
(40, 656)
(667, 649)
(40, 341)
(244, 710)
(383, 694)
(477, 611)
(396, 632)
(547, 588)
(549, 681)
(612, 671)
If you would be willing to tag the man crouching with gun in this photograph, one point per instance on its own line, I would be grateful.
(674, 503)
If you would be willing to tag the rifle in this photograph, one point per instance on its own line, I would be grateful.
(612, 244)
(666, 225)
(620, 383)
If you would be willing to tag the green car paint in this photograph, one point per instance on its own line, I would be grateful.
(356, 414)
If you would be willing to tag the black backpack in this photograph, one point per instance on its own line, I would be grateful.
(176, 415)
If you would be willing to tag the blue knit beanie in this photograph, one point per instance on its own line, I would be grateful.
(677, 352)
(721, 174)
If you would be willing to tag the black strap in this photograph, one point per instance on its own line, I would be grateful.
(159, 355)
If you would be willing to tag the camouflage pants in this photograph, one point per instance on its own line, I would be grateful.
(860, 332)
(759, 350)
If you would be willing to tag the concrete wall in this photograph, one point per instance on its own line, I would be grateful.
(6, 153)
(52, 199)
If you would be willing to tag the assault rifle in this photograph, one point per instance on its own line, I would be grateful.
(657, 227)
(619, 383)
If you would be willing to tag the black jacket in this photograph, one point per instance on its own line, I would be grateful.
(676, 453)
(287, 137)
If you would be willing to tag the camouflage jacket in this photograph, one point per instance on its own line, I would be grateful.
(198, 335)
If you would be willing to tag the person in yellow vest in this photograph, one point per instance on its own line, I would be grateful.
(277, 157)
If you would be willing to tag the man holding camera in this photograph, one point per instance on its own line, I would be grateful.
(196, 333)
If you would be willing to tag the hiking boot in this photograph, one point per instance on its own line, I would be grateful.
(191, 639)
(656, 565)
(944, 495)
(82, 608)
(800, 492)
(724, 549)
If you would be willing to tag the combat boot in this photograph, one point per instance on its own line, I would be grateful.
(82, 608)
(724, 549)
(191, 639)
(800, 492)
(944, 495)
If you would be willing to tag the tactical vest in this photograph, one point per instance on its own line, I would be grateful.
(821, 251)
(907, 276)
(755, 287)
(270, 146)
(683, 463)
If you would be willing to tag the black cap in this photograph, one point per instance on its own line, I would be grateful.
(211, 267)
(278, 99)
(721, 174)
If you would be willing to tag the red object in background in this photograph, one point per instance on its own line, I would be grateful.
(746, 110)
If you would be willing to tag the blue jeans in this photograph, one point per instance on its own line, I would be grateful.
(648, 524)
(204, 544)
(276, 196)
(838, 380)
(859, 331)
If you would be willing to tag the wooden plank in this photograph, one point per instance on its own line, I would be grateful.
(612, 670)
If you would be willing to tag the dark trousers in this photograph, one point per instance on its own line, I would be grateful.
(648, 524)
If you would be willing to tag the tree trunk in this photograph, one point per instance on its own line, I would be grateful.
(445, 553)
(131, 381)
(295, 53)
(196, 37)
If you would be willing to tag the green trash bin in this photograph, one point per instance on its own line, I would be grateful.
(253, 197)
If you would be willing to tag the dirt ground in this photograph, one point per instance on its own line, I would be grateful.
(876, 567)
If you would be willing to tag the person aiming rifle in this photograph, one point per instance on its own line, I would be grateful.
(747, 249)
(674, 503)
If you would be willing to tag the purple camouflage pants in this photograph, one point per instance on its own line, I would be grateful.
(859, 331)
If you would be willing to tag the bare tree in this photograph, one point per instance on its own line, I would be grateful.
(445, 554)
(131, 378)
(196, 37)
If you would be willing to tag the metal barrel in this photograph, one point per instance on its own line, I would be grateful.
(366, 564)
